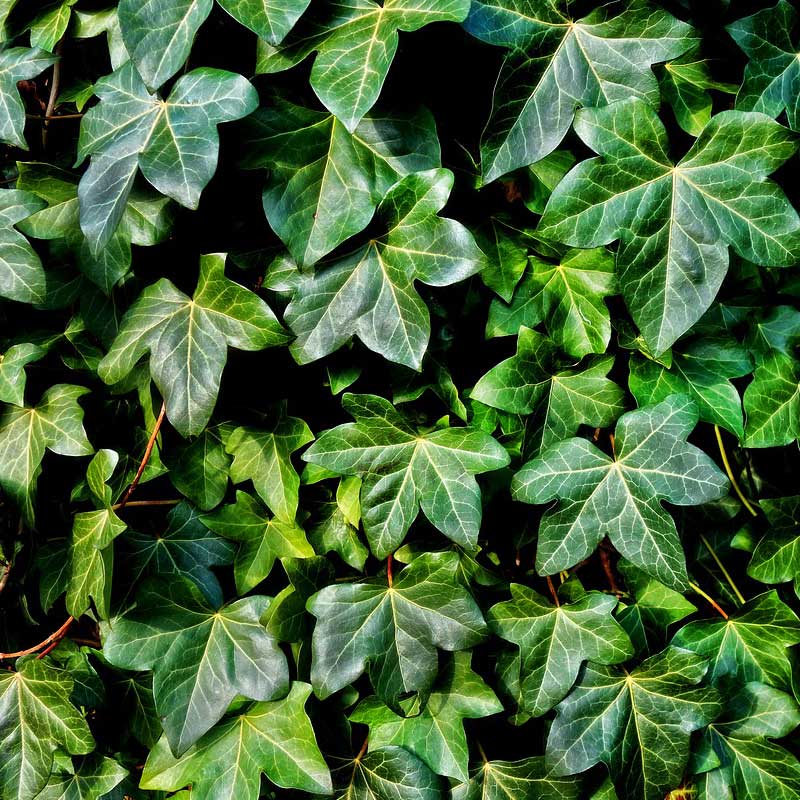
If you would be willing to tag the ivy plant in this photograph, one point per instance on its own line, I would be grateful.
(399, 400)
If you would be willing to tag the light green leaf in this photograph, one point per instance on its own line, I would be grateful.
(558, 64)
(637, 723)
(55, 424)
(675, 223)
(555, 640)
(12, 371)
(199, 469)
(404, 471)
(261, 539)
(274, 738)
(508, 780)
(370, 293)
(389, 772)
(22, 277)
(264, 456)
(51, 24)
(270, 19)
(201, 658)
(561, 399)
(173, 141)
(18, 64)
(392, 632)
(749, 646)
(325, 182)
(776, 558)
(355, 43)
(36, 719)
(435, 735)
(94, 778)
(506, 248)
(331, 532)
(188, 338)
(772, 402)
(621, 497)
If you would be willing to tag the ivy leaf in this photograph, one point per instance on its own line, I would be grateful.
(90, 550)
(274, 738)
(772, 75)
(568, 296)
(173, 141)
(776, 558)
(392, 632)
(554, 640)
(637, 723)
(36, 719)
(18, 64)
(390, 772)
(355, 45)
(22, 277)
(507, 255)
(557, 64)
(201, 658)
(94, 778)
(331, 531)
(435, 735)
(12, 371)
(55, 424)
(772, 402)
(750, 646)
(404, 471)
(528, 778)
(700, 369)
(675, 223)
(145, 221)
(51, 24)
(621, 497)
(326, 182)
(261, 539)
(264, 456)
(188, 338)
(199, 469)
(370, 293)
(187, 547)
(561, 399)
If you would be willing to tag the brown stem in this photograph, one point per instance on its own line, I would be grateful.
(52, 638)
(55, 85)
(605, 560)
(144, 503)
(53, 117)
(709, 599)
(613, 442)
(553, 591)
(145, 458)
(88, 642)
(362, 750)
(4, 576)
(389, 576)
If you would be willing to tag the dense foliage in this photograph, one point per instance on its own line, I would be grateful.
(399, 400)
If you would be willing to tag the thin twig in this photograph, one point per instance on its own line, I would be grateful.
(605, 560)
(711, 601)
(55, 85)
(389, 576)
(143, 503)
(362, 750)
(724, 571)
(552, 590)
(145, 458)
(613, 445)
(729, 471)
(53, 637)
(482, 752)
(53, 117)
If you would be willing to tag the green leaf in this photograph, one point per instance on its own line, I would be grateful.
(435, 735)
(146, 220)
(561, 399)
(51, 24)
(199, 469)
(776, 558)
(186, 548)
(675, 223)
(355, 44)
(261, 539)
(22, 277)
(392, 632)
(55, 424)
(94, 778)
(554, 640)
(700, 369)
(772, 75)
(36, 719)
(264, 456)
(557, 64)
(527, 778)
(274, 738)
(173, 141)
(637, 723)
(188, 338)
(749, 646)
(621, 497)
(506, 249)
(332, 532)
(772, 402)
(12, 371)
(326, 182)
(201, 658)
(370, 293)
(18, 64)
(270, 19)
(390, 772)
(404, 471)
